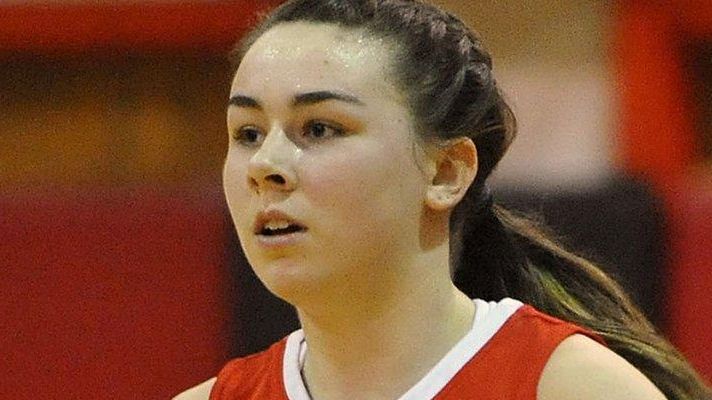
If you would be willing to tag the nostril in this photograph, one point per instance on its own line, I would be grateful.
(276, 178)
(259, 183)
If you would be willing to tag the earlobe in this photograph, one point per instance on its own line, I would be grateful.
(456, 168)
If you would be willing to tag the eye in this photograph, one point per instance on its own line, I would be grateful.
(319, 130)
(247, 135)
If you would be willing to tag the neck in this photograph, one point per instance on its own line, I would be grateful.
(378, 347)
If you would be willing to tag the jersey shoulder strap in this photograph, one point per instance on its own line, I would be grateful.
(510, 364)
(258, 376)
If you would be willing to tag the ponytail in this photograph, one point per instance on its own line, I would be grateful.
(491, 265)
(503, 254)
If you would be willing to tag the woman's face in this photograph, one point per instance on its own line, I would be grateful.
(318, 132)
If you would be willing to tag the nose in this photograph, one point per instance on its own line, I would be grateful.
(271, 167)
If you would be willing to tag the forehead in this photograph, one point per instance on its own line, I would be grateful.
(303, 56)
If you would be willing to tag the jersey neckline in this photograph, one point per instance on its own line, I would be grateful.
(489, 318)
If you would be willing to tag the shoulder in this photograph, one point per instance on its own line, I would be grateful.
(244, 377)
(584, 369)
(239, 374)
(265, 359)
(199, 392)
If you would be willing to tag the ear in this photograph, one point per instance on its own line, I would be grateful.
(455, 169)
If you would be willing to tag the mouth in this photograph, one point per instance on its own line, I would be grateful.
(276, 223)
(291, 228)
(280, 237)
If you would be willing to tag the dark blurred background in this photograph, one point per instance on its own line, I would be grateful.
(121, 275)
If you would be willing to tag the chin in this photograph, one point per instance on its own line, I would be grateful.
(290, 281)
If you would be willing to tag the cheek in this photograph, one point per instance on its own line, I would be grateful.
(342, 185)
(365, 193)
(235, 188)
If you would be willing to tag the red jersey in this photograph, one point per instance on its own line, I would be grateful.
(501, 357)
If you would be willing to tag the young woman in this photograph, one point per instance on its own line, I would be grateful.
(362, 134)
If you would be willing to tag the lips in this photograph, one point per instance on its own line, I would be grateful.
(272, 223)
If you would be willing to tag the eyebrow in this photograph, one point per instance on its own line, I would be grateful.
(301, 99)
(239, 100)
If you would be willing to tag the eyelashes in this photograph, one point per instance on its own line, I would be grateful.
(318, 129)
(247, 136)
(313, 131)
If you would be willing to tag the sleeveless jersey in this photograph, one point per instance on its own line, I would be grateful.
(502, 357)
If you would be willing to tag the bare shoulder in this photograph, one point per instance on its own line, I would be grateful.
(199, 392)
(581, 368)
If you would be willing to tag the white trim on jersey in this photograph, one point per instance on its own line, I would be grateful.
(489, 318)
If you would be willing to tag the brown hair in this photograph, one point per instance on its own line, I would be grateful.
(496, 253)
